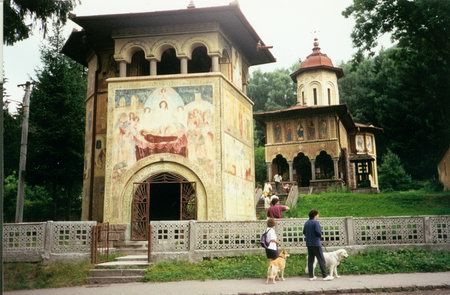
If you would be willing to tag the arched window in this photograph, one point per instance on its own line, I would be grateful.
(200, 61)
(139, 66)
(169, 63)
(329, 96)
(315, 96)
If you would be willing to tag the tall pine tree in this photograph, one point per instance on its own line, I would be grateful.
(56, 134)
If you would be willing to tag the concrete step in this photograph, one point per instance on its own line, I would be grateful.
(133, 272)
(122, 265)
(114, 279)
(130, 244)
(132, 258)
(134, 252)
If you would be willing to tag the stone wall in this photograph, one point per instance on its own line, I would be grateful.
(47, 240)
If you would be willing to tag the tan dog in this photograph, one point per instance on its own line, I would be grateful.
(277, 266)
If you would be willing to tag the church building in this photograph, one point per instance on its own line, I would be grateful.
(316, 144)
(169, 127)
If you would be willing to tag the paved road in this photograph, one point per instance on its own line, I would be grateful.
(293, 285)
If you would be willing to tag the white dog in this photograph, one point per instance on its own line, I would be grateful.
(332, 260)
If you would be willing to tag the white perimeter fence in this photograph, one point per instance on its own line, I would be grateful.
(197, 239)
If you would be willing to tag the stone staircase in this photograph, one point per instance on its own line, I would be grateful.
(125, 269)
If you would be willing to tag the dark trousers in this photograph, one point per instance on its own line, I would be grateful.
(316, 252)
(277, 186)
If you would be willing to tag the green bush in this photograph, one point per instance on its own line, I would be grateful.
(392, 175)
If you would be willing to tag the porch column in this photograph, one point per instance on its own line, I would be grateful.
(313, 169)
(153, 71)
(291, 170)
(336, 168)
(244, 88)
(184, 65)
(269, 171)
(215, 63)
(123, 68)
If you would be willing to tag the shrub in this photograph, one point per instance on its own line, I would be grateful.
(392, 175)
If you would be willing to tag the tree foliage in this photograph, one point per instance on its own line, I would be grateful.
(405, 89)
(271, 90)
(55, 150)
(392, 175)
(260, 165)
(18, 12)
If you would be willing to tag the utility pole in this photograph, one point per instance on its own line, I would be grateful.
(23, 152)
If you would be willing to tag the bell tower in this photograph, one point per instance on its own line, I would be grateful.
(316, 79)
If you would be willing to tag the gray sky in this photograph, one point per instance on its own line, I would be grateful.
(289, 26)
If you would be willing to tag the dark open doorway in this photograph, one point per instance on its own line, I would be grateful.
(165, 201)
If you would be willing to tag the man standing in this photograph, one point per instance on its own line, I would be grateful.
(276, 210)
(277, 178)
(313, 233)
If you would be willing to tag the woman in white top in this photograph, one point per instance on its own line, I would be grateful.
(272, 250)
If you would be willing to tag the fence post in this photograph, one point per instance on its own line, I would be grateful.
(48, 240)
(350, 229)
(428, 237)
(192, 240)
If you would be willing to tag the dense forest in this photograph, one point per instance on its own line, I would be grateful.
(404, 89)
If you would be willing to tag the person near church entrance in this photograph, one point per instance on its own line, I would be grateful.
(276, 210)
(277, 178)
(313, 233)
(267, 189)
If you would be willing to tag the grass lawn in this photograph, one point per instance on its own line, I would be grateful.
(39, 275)
(255, 266)
(409, 203)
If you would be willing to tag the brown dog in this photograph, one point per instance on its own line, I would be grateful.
(277, 266)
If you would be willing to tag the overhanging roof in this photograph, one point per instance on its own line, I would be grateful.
(341, 110)
(230, 18)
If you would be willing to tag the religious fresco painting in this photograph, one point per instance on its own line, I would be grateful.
(238, 118)
(300, 131)
(288, 133)
(176, 120)
(323, 129)
(359, 143)
(277, 132)
(239, 174)
(311, 130)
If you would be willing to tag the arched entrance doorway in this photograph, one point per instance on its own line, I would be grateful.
(164, 196)
(302, 167)
(280, 166)
(324, 166)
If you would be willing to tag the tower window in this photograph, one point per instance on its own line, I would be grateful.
(329, 96)
(200, 62)
(169, 63)
(315, 96)
(303, 98)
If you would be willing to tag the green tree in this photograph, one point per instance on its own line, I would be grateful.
(20, 16)
(392, 175)
(271, 90)
(55, 157)
(408, 85)
(11, 138)
(260, 165)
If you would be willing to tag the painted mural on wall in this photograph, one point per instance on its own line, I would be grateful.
(238, 118)
(87, 152)
(239, 175)
(149, 121)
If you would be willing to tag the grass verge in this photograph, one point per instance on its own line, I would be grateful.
(371, 262)
(39, 275)
(411, 203)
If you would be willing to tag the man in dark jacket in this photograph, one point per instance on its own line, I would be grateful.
(313, 233)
